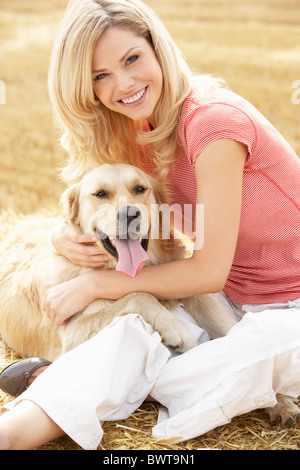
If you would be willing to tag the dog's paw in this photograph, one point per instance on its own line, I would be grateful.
(179, 339)
(186, 344)
(285, 411)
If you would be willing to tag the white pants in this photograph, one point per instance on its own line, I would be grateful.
(109, 376)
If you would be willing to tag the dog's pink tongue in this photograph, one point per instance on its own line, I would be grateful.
(132, 256)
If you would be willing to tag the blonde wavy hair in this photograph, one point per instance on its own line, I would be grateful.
(93, 134)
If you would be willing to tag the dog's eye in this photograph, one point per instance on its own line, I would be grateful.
(140, 189)
(101, 194)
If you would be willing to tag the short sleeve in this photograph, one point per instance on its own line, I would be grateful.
(218, 121)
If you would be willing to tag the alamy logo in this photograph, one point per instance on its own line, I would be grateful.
(138, 221)
(296, 94)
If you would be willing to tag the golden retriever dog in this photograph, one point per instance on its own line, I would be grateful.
(121, 205)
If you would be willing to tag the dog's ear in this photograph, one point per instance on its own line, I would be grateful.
(70, 205)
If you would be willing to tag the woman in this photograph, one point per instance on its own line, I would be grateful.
(122, 92)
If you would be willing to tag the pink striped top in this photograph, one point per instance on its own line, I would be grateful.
(266, 265)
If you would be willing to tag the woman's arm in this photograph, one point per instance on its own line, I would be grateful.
(219, 173)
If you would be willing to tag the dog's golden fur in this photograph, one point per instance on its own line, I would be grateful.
(29, 266)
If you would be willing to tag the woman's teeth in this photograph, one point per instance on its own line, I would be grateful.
(134, 98)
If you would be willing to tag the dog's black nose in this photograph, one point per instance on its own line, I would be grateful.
(128, 214)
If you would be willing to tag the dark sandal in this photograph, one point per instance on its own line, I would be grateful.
(14, 378)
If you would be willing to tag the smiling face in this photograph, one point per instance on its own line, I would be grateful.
(127, 77)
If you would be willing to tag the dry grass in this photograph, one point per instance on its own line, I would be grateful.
(253, 45)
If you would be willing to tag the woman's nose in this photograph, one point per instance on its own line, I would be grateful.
(125, 83)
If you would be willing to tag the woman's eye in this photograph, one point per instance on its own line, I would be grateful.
(100, 77)
(132, 59)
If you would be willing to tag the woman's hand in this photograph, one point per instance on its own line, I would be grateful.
(64, 300)
(78, 248)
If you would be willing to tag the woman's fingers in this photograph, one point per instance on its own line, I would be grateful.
(79, 248)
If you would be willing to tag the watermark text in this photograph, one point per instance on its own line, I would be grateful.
(154, 222)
